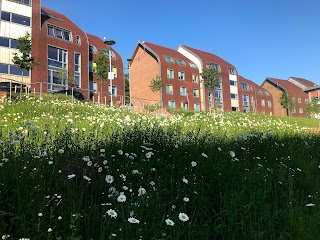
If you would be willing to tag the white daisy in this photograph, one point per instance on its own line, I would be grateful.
(121, 198)
(169, 222)
(109, 179)
(112, 213)
(193, 164)
(183, 217)
(133, 220)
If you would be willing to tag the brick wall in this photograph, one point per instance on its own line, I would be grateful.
(276, 95)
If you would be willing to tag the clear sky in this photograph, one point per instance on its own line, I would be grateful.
(261, 38)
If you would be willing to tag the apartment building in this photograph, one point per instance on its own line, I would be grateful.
(180, 76)
(58, 45)
(294, 88)
(254, 98)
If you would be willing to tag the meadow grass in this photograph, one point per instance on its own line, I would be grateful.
(81, 171)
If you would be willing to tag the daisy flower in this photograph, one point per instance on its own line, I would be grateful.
(169, 222)
(109, 179)
(112, 213)
(183, 217)
(121, 198)
(133, 220)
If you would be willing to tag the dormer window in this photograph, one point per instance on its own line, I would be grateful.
(180, 62)
(169, 59)
(232, 71)
(213, 66)
(60, 33)
(192, 64)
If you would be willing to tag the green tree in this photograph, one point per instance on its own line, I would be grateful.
(287, 102)
(65, 78)
(23, 58)
(101, 69)
(211, 79)
(127, 88)
(313, 108)
(156, 85)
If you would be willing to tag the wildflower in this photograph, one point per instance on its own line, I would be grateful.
(133, 220)
(100, 169)
(219, 149)
(109, 179)
(120, 152)
(5, 237)
(71, 176)
(59, 218)
(169, 222)
(50, 162)
(141, 191)
(89, 163)
(185, 180)
(152, 183)
(135, 172)
(40, 214)
(149, 154)
(102, 150)
(310, 205)
(60, 151)
(105, 162)
(125, 188)
(193, 164)
(49, 229)
(232, 154)
(112, 213)
(186, 199)
(204, 155)
(121, 198)
(87, 178)
(183, 217)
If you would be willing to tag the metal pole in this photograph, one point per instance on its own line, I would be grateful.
(110, 70)
(10, 90)
(40, 89)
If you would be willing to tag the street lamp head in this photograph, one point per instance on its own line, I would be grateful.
(109, 42)
(129, 59)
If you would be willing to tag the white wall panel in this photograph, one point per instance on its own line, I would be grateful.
(16, 8)
(12, 30)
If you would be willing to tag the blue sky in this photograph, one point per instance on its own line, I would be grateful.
(261, 38)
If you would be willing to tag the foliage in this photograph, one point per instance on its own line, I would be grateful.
(127, 88)
(65, 78)
(287, 102)
(211, 79)
(313, 108)
(101, 68)
(236, 176)
(156, 84)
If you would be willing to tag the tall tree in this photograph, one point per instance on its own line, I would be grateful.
(156, 86)
(211, 79)
(101, 69)
(65, 78)
(127, 88)
(287, 102)
(23, 58)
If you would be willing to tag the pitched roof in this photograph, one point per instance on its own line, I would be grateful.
(207, 57)
(305, 82)
(285, 85)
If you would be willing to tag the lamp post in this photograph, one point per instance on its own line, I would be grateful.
(129, 61)
(110, 75)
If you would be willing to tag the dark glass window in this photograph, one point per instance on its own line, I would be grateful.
(14, 43)
(58, 33)
(26, 2)
(50, 31)
(3, 68)
(14, 70)
(5, 16)
(76, 58)
(4, 41)
(20, 19)
(66, 35)
(53, 53)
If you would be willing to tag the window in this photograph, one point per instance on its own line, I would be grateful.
(181, 75)
(233, 95)
(263, 103)
(244, 86)
(294, 99)
(234, 109)
(300, 110)
(59, 33)
(57, 62)
(269, 103)
(15, 18)
(213, 65)
(114, 90)
(170, 73)
(245, 102)
(24, 2)
(293, 110)
(184, 105)
(196, 107)
(218, 96)
(77, 69)
(93, 49)
(259, 91)
(232, 71)
(169, 89)
(106, 53)
(267, 93)
(180, 62)
(299, 100)
(78, 40)
(4, 68)
(171, 104)
(306, 100)
(90, 66)
(183, 91)
(196, 92)
(233, 83)
(14, 70)
(4, 42)
(169, 59)
(195, 78)
(192, 64)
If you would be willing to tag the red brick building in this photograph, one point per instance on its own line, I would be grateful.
(294, 90)
(58, 46)
(254, 98)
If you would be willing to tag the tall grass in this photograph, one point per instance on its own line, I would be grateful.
(66, 167)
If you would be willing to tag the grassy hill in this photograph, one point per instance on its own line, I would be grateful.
(81, 171)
